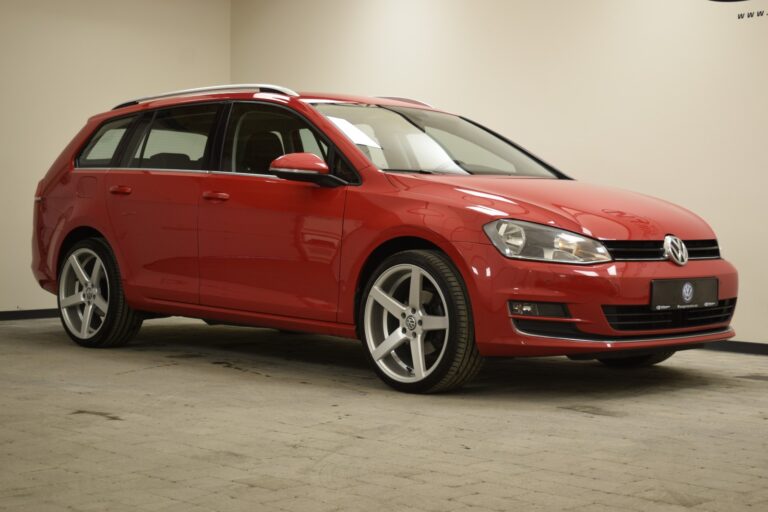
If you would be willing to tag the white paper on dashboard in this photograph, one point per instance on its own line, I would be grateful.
(355, 134)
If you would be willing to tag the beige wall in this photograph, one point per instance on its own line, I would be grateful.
(63, 61)
(665, 97)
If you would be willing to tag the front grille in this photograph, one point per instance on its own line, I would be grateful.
(638, 250)
(702, 249)
(642, 318)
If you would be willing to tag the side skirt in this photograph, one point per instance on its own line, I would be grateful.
(247, 318)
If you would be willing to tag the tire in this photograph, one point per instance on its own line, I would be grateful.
(637, 361)
(90, 279)
(400, 324)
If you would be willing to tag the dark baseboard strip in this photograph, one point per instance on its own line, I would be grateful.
(741, 347)
(28, 314)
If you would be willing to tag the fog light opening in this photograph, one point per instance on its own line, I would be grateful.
(546, 309)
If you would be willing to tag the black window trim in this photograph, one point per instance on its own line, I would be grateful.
(122, 153)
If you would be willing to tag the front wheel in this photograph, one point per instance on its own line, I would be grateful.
(91, 302)
(416, 324)
(636, 361)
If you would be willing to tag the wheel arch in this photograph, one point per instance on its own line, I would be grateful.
(390, 246)
(74, 236)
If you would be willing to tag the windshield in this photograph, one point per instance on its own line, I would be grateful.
(398, 139)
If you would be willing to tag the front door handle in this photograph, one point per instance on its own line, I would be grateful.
(215, 196)
(122, 190)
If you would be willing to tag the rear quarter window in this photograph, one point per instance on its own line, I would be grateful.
(100, 149)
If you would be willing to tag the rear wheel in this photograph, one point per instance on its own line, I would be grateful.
(636, 361)
(416, 324)
(92, 306)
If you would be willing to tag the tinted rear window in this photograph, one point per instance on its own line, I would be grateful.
(178, 138)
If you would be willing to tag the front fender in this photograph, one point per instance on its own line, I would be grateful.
(372, 220)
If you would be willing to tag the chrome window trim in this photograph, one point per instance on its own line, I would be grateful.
(217, 173)
(196, 171)
(234, 173)
(151, 169)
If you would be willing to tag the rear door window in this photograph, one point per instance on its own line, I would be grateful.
(101, 149)
(176, 138)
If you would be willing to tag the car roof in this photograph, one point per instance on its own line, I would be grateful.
(254, 91)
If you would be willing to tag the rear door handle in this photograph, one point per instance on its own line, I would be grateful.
(122, 190)
(215, 196)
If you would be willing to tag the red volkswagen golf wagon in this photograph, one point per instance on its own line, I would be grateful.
(434, 240)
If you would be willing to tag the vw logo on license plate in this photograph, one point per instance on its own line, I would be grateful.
(687, 292)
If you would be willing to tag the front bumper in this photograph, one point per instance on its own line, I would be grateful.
(496, 280)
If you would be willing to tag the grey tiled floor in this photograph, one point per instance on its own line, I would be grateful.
(194, 418)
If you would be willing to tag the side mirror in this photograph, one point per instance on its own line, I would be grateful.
(304, 167)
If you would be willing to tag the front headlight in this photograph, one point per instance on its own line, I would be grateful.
(529, 241)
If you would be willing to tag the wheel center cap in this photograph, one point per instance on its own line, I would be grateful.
(410, 322)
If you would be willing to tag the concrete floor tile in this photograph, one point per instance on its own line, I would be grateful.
(195, 418)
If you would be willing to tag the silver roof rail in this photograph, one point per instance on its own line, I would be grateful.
(406, 100)
(214, 88)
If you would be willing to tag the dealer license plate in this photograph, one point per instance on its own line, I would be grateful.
(683, 293)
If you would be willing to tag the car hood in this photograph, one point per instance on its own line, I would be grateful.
(597, 211)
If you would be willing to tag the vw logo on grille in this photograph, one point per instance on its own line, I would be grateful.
(675, 250)
(687, 292)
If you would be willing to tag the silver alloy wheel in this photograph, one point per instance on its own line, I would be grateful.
(406, 323)
(84, 293)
